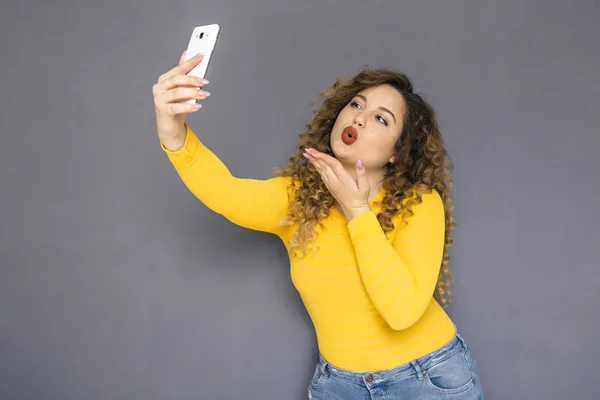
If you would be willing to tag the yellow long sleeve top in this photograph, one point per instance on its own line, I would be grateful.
(368, 294)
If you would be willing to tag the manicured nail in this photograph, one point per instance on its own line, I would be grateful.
(203, 93)
(196, 106)
(359, 164)
(202, 80)
(199, 54)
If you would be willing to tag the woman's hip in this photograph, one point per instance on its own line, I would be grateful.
(447, 371)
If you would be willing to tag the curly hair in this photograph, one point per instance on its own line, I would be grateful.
(421, 164)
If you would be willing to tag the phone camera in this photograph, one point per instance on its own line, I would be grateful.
(201, 35)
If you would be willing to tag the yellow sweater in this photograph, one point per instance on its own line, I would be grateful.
(369, 296)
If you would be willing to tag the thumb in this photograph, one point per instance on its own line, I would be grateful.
(361, 178)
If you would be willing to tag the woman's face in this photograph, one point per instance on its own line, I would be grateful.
(376, 114)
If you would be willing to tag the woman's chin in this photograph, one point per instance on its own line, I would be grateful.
(341, 151)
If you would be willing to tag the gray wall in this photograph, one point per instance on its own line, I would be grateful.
(116, 283)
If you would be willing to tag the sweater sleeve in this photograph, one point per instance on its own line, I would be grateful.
(250, 203)
(400, 277)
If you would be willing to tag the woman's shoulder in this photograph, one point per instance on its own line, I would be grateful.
(432, 197)
(430, 201)
(428, 195)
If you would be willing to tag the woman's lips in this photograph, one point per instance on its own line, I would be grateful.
(349, 135)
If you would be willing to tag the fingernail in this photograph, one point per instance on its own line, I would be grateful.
(203, 93)
(202, 80)
(360, 164)
(199, 54)
(196, 106)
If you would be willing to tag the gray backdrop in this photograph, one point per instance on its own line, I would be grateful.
(116, 283)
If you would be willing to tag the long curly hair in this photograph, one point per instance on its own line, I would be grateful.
(421, 163)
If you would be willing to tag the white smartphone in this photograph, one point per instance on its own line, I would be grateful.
(203, 40)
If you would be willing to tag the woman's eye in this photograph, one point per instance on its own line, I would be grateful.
(379, 117)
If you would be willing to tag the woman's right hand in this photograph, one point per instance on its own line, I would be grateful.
(170, 93)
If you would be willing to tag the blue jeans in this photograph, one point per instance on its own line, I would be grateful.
(446, 373)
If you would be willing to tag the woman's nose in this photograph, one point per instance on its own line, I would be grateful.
(358, 120)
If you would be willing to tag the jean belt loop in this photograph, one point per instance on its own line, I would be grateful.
(462, 340)
(323, 367)
(417, 367)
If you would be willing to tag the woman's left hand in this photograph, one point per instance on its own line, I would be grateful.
(351, 194)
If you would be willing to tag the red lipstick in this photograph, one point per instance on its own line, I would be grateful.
(349, 135)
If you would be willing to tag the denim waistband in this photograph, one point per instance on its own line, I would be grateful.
(456, 344)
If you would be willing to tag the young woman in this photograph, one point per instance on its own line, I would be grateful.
(364, 209)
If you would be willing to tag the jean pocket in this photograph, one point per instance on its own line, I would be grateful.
(453, 375)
